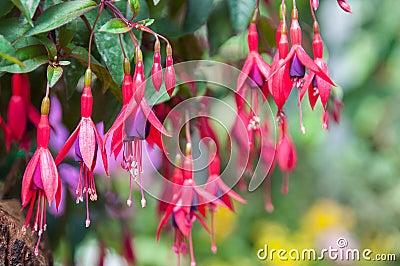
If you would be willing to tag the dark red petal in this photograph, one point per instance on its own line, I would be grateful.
(202, 222)
(59, 191)
(49, 174)
(227, 190)
(27, 178)
(323, 86)
(67, 146)
(181, 222)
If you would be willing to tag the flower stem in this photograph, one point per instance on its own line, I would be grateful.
(92, 33)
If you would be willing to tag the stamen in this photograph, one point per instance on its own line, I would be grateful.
(302, 128)
(285, 183)
(192, 260)
(213, 242)
(129, 201)
(269, 207)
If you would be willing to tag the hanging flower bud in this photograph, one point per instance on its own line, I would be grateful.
(169, 78)
(314, 4)
(16, 114)
(344, 5)
(156, 70)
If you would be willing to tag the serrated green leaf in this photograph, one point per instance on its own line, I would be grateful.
(66, 33)
(53, 74)
(61, 14)
(8, 52)
(196, 15)
(240, 13)
(115, 26)
(27, 8)
(81, 55)
(13, 28)
(31, 56)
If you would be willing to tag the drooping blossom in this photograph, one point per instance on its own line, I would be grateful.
(21, 114)
(291, 66)
(254, 73)
(216, 186)
(186, 206)
(41, 180)
(86, 140)
(344, 5)
(316, 86)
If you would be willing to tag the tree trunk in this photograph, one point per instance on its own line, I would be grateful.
(17, 248)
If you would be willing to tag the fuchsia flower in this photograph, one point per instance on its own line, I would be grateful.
(41, 180)
(135, 123)
(254, 72)
(187, 205)
(344, 5)
(317, 87)
(86, 140)
(291, 66)
(216, 186)
(21, 115)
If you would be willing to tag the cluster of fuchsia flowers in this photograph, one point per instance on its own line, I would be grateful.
(137, 122)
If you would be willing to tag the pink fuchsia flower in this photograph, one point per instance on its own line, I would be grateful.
(41, 180)
(137, 124)
(187, 206)
(292, 64)
(316, 86)
(116, 130)
(216, 186)
(344, 5)
(86, 140)
(254, 72)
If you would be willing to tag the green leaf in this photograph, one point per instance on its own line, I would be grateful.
(6, 7)
(53, 74)
(8, 52)
(108, 46)
(27, 8)
(13, 28)
(81, 55)
(219, 27)
(61, 14)
(115, 26)
(240, 13)
(197, 14)
(49, 45)
(155, 2)
(66, 33)
(147, 22)
(31, 56)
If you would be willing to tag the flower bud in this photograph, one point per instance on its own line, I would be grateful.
(156, 70)
(169, 78)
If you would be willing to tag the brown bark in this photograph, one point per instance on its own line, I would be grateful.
(16, 247)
